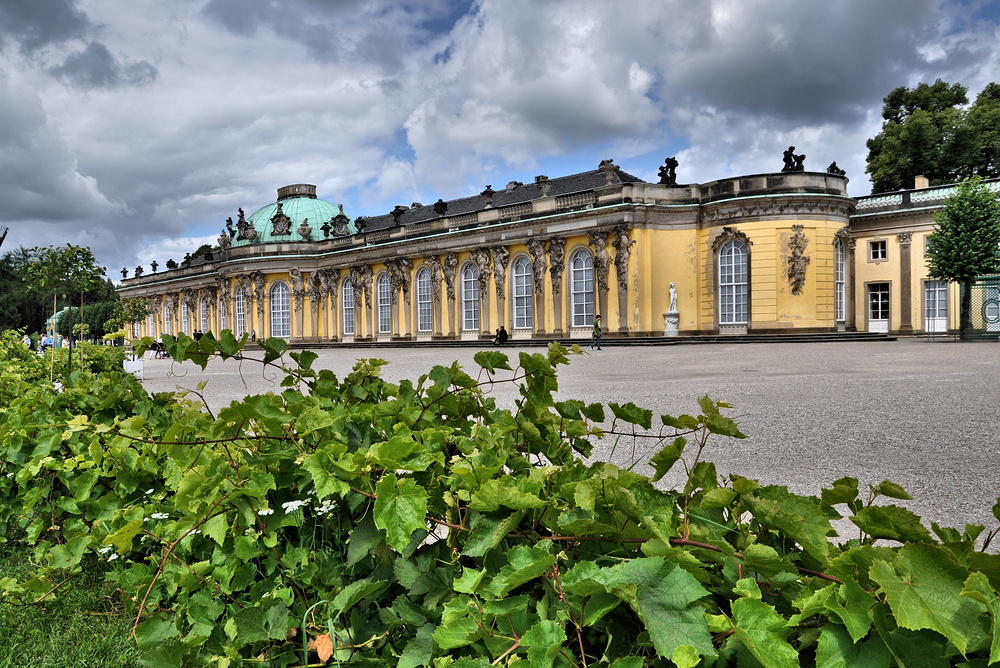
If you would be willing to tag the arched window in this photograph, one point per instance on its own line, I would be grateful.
(241, 312)
(839, 281)
(470, 298)
(151, 325)
(223, 320)
(281, 317)
(384, 305)
(347, 301)
(582, 288)
(185, 318)
(733, 283)
(425, 310)
(203, 313)
(168, 326)
(524, 304)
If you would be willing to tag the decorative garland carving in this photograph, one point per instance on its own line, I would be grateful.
(357, 284)
(797, 259)
(315, 287)
(623, 246)
(366, 280)
(500, 256)
(450, 265)
(434, 265)
(481, 257)
(602, 258)
(777, 209)
(557, 254)
(405, 272)
(843, 234)
(538, 263)
(905, 238)
(298, 287)
(395, 280)
(730, 234)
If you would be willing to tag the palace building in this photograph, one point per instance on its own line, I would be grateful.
(784, 252)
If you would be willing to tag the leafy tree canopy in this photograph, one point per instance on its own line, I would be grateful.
(928, 130)
(965, 240)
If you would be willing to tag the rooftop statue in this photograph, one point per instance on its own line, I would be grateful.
(668, 172)
(793, 163)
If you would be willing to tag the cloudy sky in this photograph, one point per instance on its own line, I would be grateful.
(138, 127)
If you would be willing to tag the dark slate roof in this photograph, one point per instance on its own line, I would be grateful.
(519, 194)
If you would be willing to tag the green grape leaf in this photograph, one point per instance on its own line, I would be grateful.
(924, 586)
(978, 588)
(763, 632)
(836, 649)
(632, 414)
(892, 523)
(665, 459)
(400, 509)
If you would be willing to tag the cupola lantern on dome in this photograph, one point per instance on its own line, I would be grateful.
(297, 190)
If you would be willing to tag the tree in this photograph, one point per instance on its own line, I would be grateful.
(68, 270)
(928, 131)
(965, 241)
(21, 306)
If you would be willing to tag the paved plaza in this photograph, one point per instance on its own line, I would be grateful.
(923, 414)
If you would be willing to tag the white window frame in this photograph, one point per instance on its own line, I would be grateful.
(936, 305)
(281, 310)
(470, 298)
(203, 313)
(524, 294)
(878, 250)
(839, 281)
(223, 319)
(425, 301)
(185, 318)
(168, 327)
(384, 289)
(734, 286)
(581, 274)
(240, 315)
(347, 304)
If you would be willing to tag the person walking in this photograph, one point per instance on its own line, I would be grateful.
(595, 337)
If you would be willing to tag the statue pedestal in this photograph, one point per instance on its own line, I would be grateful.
(670, 321)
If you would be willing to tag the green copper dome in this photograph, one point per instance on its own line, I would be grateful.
(283, 220)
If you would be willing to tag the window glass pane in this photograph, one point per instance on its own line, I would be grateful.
(384, 305)
(733, 289)
(347, 302)
(425, 310)
(523, 294)
(281, 321)
(470, 298)
(582, 270)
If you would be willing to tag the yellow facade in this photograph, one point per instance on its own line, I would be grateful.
(769, 253)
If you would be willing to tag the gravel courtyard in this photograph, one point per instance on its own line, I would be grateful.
(923, 414)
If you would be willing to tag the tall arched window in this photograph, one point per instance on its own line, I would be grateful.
(582, 288)
(223, 318)
(203, 313)
(470, 298)
(425, 310)
(733, 283)
(839, 281)
(185, 318)
(384, 305)
(281, 317)
(168, 326)
(347, 301)
(151, 325)
(524, 304)
(241, 312)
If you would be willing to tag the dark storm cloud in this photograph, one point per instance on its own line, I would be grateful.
(799, 62)
(35, 24)
(97, 67)
(373, 31)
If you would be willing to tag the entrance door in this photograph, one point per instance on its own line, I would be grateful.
(936, 306)
(878, 307)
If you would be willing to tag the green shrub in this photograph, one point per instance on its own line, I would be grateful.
(417, 524)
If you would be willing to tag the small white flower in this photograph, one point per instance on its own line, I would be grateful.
(195, 532)
(104, 550)
(266, 511)
(113, 557)
(149, 491)
(292, 506)
(327, 506)
(10, 475)
(160, 516)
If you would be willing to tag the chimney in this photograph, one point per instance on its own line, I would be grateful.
(921, 181)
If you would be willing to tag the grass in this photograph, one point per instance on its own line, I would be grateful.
(84, 627)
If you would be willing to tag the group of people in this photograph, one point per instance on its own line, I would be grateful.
(45, 342)
(595, 337)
